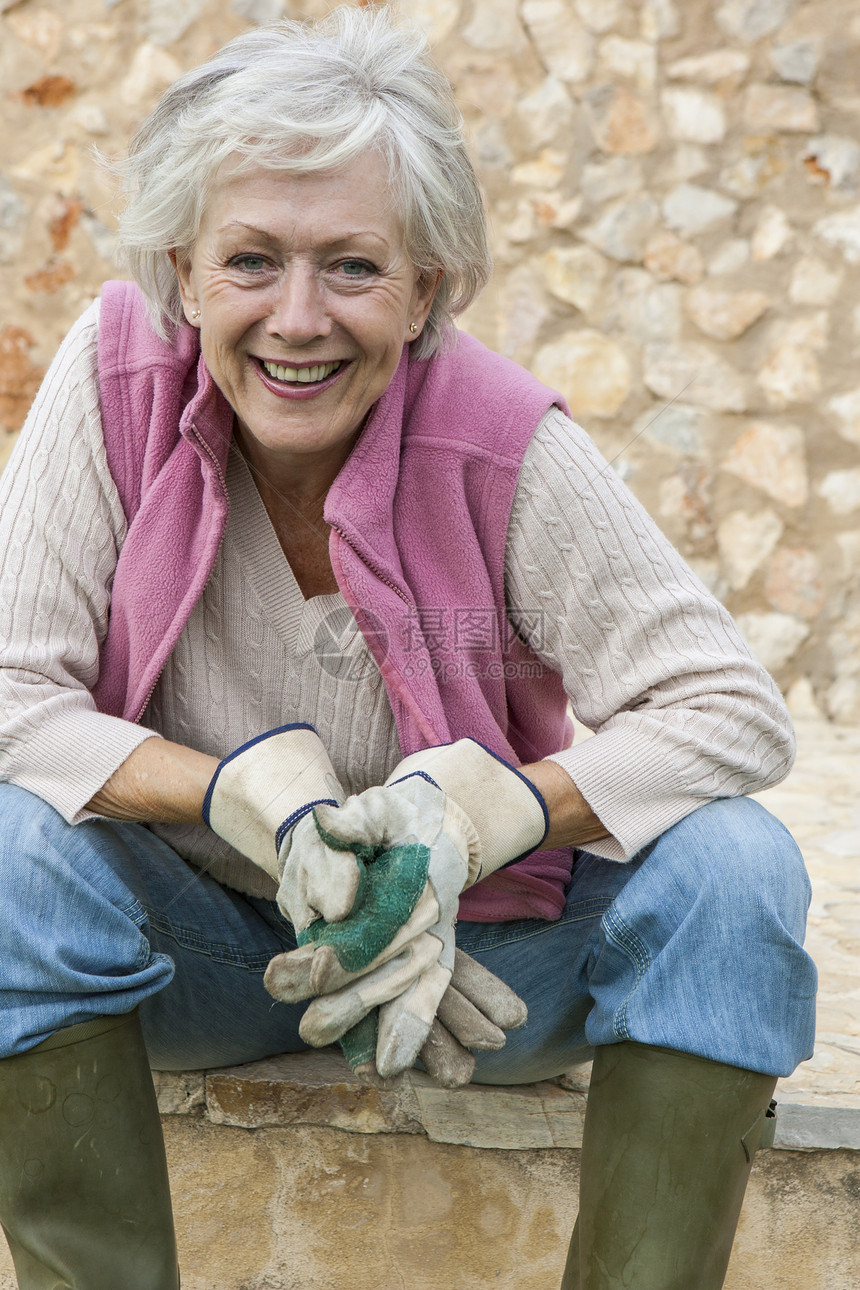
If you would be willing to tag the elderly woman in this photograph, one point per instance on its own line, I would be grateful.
(297, 586)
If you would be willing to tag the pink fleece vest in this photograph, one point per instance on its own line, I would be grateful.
(418, 514)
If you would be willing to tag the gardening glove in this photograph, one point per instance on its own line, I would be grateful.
(476, 1010)
(259, 795)
(414, 808)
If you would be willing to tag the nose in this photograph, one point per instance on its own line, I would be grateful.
(299, 314)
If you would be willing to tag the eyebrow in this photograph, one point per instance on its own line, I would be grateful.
(335, 241)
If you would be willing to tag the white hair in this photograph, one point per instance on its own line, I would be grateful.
(310, 96)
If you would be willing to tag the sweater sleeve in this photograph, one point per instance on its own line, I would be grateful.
(652, 663)
(61, 529)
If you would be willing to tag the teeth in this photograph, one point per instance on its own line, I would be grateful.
(303, 375)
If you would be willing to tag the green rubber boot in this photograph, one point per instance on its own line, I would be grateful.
(84, 1195)
(666, 1153)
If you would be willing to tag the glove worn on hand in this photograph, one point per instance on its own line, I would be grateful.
(475, 813)
(260, 794)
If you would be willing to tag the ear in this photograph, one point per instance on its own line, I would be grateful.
(181, 262)
(422, 299)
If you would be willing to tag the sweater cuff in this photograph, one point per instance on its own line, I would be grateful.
(624, 778)
(71, 755)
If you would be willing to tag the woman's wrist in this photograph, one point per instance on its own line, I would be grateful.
(158, 783)
(571, 820)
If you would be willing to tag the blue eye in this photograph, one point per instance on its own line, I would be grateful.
(356, 268)
(251, 263)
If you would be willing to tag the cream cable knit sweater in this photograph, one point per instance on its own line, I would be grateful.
(650, 661)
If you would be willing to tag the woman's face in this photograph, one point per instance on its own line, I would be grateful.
(306, 295)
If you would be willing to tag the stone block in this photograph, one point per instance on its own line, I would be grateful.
(832, 159)
(309, 1088)
(622, 122)
(691, 209)
(566, 48)
(667, 257)
(841, 231)
(745, 540)
(725, 315)
(774, 638)
(772, 458)
(782, 108)
(623, 230)
(749, 20)
(591, 370)
(846, 412)
(695, 115)
(841, 490)
(696, 373)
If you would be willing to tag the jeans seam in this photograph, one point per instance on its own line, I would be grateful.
(587, 909)
(218, 951)
(629, 943)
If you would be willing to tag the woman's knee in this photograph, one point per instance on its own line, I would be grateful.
(740, 853)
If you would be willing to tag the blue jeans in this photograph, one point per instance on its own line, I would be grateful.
(694, 945)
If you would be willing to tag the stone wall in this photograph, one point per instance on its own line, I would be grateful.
(676, 223)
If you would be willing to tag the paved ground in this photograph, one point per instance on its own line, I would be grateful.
(820, 804)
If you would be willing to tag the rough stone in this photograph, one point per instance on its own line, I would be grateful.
(599, 15)
(436, 18)
(813, 282)
(709, 69)
(841, 230)
(695, 372)
(790, 374)
(261, 12)
(546, 112)
(725, 314)
(685, 503)
(179, 1092)
(40, 28)
(575, 274)
(641, 308)
(495, 24)
(48, 92)
(667, 257)
(490, 146)
(797, 60)
(622, 231)
(659, 20)
(677, 426)
(19, 378)
(151, 71)
(752, 172)
(832, 159)
(749, 20)
(621, 121)
(522, 313)
(318, 1089)
(633, 60)
(694, 115)
(793, 584)
(771, 234)
(545, 171)
(589, 369)
(771, 458)
(841, 490)
(167, 20)
(783, 108)
(690, 209)
(810, 330)
(603, 180)
(745, 541)
(686, 162)
(12, 213)
(773, 637)
(566, 48)
(729, 257)
(846, 411)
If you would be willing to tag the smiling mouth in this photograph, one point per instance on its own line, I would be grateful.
(300, 375)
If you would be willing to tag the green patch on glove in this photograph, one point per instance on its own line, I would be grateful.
(392, 880)
(359, 1044)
